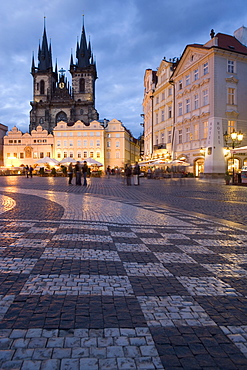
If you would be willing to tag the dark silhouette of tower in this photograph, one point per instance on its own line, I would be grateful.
(54, 99)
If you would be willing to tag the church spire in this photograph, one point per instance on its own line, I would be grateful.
(44, 54)
(83, 52)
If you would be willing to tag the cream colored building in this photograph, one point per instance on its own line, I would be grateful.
(24, 148)
(202, 96)
(3, 130)
(108, 142)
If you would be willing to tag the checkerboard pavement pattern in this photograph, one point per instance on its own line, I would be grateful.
(104, 295)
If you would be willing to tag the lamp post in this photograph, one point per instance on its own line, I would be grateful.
(235, 139)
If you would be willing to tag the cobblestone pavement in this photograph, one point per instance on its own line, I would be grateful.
(115, 277)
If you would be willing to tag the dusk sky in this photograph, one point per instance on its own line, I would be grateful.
(127, 37)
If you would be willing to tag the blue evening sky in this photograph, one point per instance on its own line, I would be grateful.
(127, 37)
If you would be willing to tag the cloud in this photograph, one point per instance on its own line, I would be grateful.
(127, 37)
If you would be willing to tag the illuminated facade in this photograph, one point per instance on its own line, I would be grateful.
(108, 142)
(190, 103)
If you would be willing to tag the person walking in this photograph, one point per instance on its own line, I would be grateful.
(128, 173)
(27, 171)
(85, 171)
(31, 171)
(78, 173)
(70, 173)
(136, 173)
(108, 172)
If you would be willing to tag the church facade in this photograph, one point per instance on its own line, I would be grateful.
(54, 100)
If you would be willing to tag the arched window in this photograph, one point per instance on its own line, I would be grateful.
(42, 87)
(61, 116)
(82, 85)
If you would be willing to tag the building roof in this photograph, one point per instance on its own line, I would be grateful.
(230, 43)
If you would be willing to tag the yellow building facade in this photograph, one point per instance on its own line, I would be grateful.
(108, 142)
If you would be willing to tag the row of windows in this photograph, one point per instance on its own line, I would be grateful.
(161, 139)
(35, 155)
(231, 68)
(85, 154)
(91, 133)
(191, 105)
(85, 143)
(188, 135)
(34, 141)
(194, 77)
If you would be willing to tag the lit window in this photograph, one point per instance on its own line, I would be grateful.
(71, 155)
(231, 126)
(205, 129)
(41, 155)
(98, 155)
(79, 155)
(196, 131)
(65, 154)
(91, 154)
(85, 154)
(59, 155)
(231, 96)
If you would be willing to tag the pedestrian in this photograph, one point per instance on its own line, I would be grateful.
(27, 171)
(108, 171)
(31, 171)
(136, 173)
(128, 173)
(70, 173)
(85, 171)
(78, 173)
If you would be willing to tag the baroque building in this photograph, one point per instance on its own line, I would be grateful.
(191, 102)
(54, 99)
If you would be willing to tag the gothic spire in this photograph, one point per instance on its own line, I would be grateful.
(44, 54)
(83, 52)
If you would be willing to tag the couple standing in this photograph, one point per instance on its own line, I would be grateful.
(79, 171)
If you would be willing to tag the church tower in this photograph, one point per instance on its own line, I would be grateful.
(53, 98)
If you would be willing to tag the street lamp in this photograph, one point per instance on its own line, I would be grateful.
(235, 139)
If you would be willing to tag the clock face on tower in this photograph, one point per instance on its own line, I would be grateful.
(61, 85)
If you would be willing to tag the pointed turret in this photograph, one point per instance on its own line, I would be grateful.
(83, 55)
(44, 54)
(33, 65)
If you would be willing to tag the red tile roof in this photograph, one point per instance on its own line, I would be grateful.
(230, 43)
